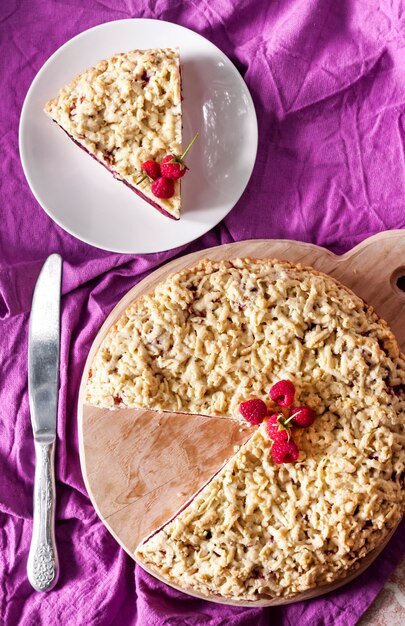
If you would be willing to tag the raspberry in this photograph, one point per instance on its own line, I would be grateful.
(282, 393)
(302, 416)
(152, 168)
(163, 188)
(284, 452)
(254, 411)
(172, 168)
(276, 430)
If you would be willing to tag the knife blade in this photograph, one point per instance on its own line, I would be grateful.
(43, 384)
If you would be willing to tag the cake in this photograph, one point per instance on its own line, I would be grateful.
(215, 335)
(125, 111)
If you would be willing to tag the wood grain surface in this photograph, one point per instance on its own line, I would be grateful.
(140, 466)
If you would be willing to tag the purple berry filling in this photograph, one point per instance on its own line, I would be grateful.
(145, 78)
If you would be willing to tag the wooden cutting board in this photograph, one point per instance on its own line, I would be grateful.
(140, 467)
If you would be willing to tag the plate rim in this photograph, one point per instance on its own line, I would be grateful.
(22, 127)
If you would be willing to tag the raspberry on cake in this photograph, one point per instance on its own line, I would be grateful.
(284, 451)
(276, 429)
(254, 411)
(124, 112)
(282, 393)
(302, 416)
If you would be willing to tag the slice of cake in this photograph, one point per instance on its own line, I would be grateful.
(124, 112)
(259, 530)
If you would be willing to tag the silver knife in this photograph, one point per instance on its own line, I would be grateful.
(43, 384)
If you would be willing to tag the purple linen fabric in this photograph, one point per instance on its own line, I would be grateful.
(328, 81)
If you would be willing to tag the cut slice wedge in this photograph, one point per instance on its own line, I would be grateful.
(154, 465)
(125, 111)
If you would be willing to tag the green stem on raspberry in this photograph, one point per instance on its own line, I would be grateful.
(138, 182)
(280, 420)
(285, 424)
(289, 419)
(183, 156)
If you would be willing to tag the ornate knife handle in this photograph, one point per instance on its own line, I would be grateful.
(43, 564)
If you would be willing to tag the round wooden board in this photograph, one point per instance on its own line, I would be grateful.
(140, 467)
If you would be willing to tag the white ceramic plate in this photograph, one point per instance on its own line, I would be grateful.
(84, 198)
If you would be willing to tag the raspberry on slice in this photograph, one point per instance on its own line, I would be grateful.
(302, 416)
(284, 452)
(152, 168)
(276, 431)
(282, 393)
(172, 168)
(163, 188)
(254, 411)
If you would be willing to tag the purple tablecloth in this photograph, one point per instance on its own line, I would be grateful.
(328, 81)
